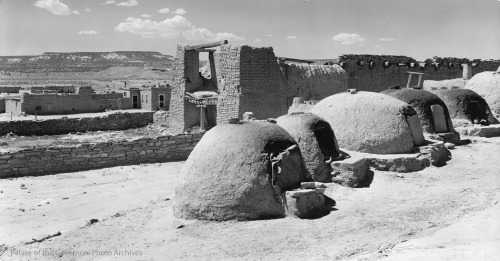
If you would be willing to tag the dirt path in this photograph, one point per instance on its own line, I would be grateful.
(400, 216)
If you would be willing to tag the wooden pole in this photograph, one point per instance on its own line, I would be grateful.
(409, 81)
(207, 45)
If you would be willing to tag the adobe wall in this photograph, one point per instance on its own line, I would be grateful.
(9, 89)
(177, 110)
(251, 79)
(262, 85)
(115, 121)
(379, 72)
(51, 160)
(68, 103)
(313, 82)
(153, 102)
(227, 64)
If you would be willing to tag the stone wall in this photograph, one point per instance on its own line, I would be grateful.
(379, 72)
(116, 121)
(51, 160)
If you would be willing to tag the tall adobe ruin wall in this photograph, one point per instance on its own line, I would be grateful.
(251, 79)
(379, 72)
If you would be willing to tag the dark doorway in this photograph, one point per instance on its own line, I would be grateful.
(162, 101)
(326, 140)
(135, 102)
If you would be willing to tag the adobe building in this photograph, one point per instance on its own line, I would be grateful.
(82, 101)
(151, 98)
(243, 78)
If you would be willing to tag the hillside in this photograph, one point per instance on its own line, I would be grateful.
(83, 61)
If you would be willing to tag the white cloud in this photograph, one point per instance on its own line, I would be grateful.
(270, 35)
(55, 7)
(164, 11)
(145, 15)
(180, 11)
(257, 40)
(290, 37)
(388, 39)
(128, 3)
(378, 46)
(108, 2)
(345, 38)
(88, 32)
(175, 27)
(87, 9)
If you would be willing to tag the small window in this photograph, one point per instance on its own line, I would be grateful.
(124, 94)
(38, 108)
(146, 98)
(142, 98)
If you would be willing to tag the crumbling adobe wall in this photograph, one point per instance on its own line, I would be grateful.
(378, 72)
(313, 82)
(262, 86)
(251, 79)
(227, 64)
(51, 160)
(178, 90)
(116, 121)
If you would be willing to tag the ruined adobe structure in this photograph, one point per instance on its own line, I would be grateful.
(246, 79)
(379, 72)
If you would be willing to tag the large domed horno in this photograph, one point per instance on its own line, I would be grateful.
(371, 122)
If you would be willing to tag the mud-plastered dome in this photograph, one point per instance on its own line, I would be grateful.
(431, 110)
(316, 140)
(487, 84)
(371, 122)
(240, 171)
(467, 105)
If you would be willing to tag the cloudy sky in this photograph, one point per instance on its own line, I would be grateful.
(294, 28)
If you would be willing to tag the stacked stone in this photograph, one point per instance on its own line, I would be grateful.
(97, 155)
(115, 121)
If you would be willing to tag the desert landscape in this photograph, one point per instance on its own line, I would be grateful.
(134, 130)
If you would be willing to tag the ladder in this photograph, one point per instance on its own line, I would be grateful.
(119, 102)
(420, 82)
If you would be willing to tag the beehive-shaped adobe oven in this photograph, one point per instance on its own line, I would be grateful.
(431, 110)
(240, 171)
(487, 84)
(371, 122)
(316, 140)
(468, 105)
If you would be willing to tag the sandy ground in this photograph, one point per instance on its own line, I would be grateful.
(446, 213)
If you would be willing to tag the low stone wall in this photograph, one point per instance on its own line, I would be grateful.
(52, 160)
(116, 121)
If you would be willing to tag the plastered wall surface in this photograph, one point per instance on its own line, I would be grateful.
(379, 72)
